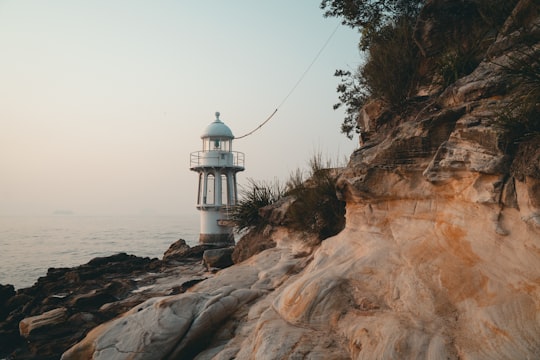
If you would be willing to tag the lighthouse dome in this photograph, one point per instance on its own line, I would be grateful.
(217, 129)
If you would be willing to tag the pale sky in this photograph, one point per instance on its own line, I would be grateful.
(102, 101)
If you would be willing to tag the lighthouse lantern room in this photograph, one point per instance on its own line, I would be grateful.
(217, 166)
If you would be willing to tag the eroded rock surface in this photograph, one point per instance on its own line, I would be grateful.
(439, 259)
(205, 318)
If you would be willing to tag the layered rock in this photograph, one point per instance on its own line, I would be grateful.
(205, 320)
(439, 259)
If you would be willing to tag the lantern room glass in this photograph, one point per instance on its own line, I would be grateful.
(217, 144)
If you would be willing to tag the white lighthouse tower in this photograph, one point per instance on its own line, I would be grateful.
(217, 166)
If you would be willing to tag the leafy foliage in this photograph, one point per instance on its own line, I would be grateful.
(389, 73)
(353, 93)
(392, 65)
(392, 56)
(370, 16)
(391, 69)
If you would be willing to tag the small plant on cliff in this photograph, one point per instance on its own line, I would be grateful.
(455, 63)
(392, 65)
(521, 116)
(255, 195)
(316, 208)
(476, 25)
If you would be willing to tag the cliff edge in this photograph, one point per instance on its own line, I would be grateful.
(439, 258)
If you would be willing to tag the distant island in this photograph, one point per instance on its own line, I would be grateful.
(63, 212)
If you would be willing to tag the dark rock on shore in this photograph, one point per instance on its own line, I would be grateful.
(213, 256)
(181, 250)
(218, 258)
(44, 320)
(6, 293)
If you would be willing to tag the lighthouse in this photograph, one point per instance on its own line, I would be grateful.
(217, 165)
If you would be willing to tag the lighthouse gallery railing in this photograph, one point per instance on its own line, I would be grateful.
(216, 159)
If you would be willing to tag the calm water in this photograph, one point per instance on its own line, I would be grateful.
(31, 245)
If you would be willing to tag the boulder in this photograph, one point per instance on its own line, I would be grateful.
(370, 118)
(6, 293)
(218, 258)
(42, 323)
(252, 243)
(276, 213)
(179, 250)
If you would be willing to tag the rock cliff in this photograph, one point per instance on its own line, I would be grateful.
(439, 258)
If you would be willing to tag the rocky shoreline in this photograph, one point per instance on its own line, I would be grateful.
(62, 307)
(439, 257)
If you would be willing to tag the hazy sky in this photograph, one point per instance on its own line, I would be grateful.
(102, 101)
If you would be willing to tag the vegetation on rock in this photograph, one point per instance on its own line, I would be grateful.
(371, 17)
(396, 66)
(521, 115)
(391, 64)
(254, 196)
(315, 209)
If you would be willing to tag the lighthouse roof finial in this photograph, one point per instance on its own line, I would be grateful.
(217, 129)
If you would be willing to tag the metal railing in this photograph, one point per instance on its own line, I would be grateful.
(216, 158)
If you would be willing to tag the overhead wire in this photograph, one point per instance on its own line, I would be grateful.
(295, 85)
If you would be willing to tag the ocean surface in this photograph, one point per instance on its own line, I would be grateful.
(31, 245)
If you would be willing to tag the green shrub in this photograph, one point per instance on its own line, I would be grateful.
(369, 17)
(391, 69)
(316, 208)
(456, 63)
(353, 94)
(255, 195)
(389, 73)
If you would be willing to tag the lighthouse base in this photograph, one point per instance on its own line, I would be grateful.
(218, 240)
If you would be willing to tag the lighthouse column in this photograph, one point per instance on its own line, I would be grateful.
(217, 166)
(217, 184)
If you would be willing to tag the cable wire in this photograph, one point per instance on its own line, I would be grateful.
(295, 85)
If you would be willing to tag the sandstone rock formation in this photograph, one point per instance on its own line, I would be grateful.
(46, 319)
(439, 259)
